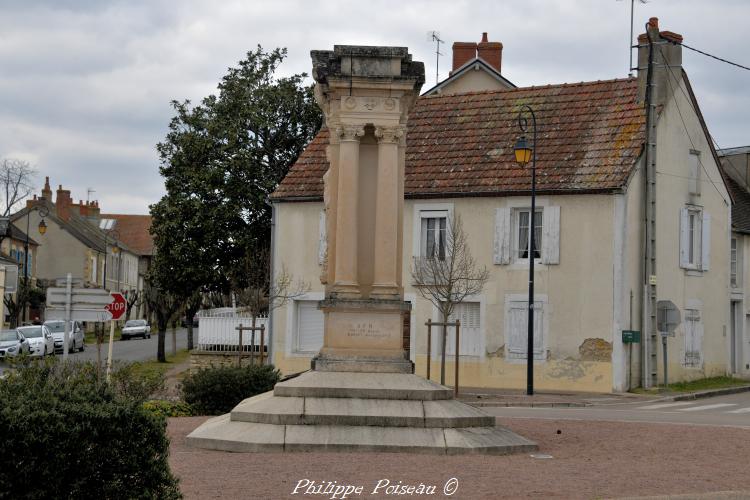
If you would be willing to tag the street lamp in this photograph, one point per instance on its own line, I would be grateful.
(43, 212)
(525, 152)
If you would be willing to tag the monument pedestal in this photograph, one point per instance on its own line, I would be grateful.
(363, 336)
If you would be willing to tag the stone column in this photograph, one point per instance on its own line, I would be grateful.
(387, 281)
(347, 210)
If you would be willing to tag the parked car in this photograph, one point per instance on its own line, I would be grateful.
(41, 342)
(12, 343)
(136, 328)
(75, 335)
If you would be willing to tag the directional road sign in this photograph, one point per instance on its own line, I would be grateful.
(86, 304)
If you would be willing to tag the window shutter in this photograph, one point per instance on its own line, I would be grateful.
(501, 254)
(684, 238)
(309, 326)
(706, 241)
(322, 240)
(517, 323)
(551, 235)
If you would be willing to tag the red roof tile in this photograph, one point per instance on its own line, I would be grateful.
(589, 137)
(134, 232)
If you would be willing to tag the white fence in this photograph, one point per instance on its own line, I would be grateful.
(219, 333)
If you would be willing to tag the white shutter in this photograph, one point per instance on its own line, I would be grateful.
(684, 238)
(322, 240)
(706, 241)
(501, 253)
(551, 235)
(538, 330)
(309, 326)
(517, 338)
(470, 341)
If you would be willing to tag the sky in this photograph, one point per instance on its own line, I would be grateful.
(86, 85)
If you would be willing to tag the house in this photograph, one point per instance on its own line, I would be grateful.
(14, 247)
(74, 243)
(591, 260)
(735, 163)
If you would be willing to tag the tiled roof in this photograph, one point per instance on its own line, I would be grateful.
(134, 232)
(589, 137)
(740, 205)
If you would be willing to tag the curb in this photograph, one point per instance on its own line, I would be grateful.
(711, 393)
(510, 404)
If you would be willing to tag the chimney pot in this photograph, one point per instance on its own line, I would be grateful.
(484, 37)
(654, 22)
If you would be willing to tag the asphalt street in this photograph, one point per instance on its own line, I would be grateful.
(731, 410)
(128, 350)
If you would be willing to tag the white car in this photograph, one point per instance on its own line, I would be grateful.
(75, 335)
(41, 342)
(12, 343)
(136, 328)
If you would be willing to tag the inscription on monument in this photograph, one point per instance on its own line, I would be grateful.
(365, 329)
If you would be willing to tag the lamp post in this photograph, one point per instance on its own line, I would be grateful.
(43, 212)
(525, 152)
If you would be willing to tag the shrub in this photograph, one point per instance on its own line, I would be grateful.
(218, 389)
(132, 382)
(68, 434)
(163, 409)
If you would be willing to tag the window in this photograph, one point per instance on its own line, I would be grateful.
(512, 233)
(695, 238)
(694, 182)
(733, 263)
(309, 326)
(432, 242)
(693, 338)
(470, 336)
(516, 324)
(523, 236)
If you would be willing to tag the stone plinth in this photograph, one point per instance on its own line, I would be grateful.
(363, 335)
(355, 412)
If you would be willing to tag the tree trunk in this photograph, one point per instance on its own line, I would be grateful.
(442, 353)
(160, 354)
(174, 338)
(190, 334)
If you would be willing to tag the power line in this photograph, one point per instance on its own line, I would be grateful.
(714, 57)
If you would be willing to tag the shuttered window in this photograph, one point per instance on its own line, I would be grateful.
(695, 238)
(470, 335)
(693, 338)
(309, 328)
(512, 231)
(517, 336)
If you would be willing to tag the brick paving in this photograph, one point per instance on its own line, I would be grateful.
(590, 460)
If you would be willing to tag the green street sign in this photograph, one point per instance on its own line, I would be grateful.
(631, 336)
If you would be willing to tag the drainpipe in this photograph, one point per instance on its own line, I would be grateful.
(270, 340)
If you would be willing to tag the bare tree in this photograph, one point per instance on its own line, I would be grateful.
(448, 274)
(16, 183)
(265, 294)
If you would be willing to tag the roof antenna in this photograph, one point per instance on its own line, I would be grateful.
(630, 42)
(434, 36)
(88, 194)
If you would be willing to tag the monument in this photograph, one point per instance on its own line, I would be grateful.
(361, 393)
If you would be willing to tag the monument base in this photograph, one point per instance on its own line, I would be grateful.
(333, 363)
(358, 412)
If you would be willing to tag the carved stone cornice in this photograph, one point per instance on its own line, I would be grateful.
(350, 132)
(391, 135)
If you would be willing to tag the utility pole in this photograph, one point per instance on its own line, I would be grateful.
(651, 335)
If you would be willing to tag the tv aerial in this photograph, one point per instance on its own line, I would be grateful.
(434, 36)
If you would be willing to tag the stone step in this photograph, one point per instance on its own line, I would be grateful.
(362, 385)
(270, 409)
(221, 433)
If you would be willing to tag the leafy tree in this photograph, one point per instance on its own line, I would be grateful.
(220, 161)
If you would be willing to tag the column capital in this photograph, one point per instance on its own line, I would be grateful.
(350, 132)
(389, 134)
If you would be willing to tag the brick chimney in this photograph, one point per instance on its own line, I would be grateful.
(63, 203)
(463, 52)
(47, 191)
(667, 62)
(490, 52)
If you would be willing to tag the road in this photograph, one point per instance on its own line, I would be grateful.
(731, 410)
(128, 350)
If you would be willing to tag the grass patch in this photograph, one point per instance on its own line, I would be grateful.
(703, 384)
(153, 367)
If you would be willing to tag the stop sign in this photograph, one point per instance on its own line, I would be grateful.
(117, 306)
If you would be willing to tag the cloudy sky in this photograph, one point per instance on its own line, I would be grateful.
(85, 85)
